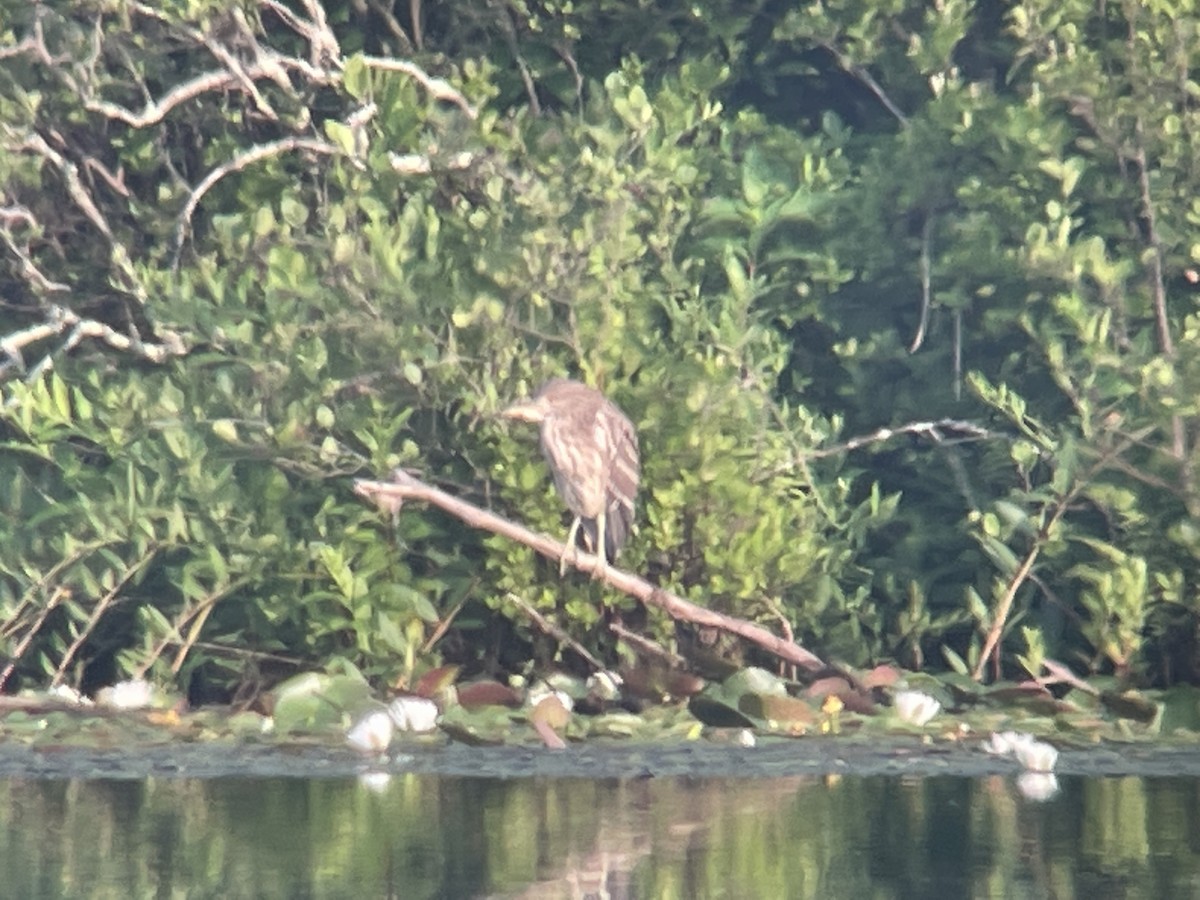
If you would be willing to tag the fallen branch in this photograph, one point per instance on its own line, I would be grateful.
(390, 494)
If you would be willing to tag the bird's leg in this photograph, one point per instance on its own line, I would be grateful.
(570, 548)
(601, 548)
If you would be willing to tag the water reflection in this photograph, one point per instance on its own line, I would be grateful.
(426, 836)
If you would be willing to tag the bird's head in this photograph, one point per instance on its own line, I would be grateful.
(541, 405)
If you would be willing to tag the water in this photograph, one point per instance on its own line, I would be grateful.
(430, 836)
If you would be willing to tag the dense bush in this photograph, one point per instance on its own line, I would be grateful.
(253, 252)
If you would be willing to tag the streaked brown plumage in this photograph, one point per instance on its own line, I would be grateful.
(592, 450)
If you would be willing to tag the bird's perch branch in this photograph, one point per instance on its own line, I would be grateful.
(390, 494)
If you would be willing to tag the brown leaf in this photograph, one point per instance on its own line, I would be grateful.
(833, 684)
(435, 681)
(881, 676)
(475, 694)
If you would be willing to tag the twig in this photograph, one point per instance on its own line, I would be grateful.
(510, 37)
(394, 26)
(553, 630)
(1025, 568)
(437, 87)
(446, 621)
(197, 615)
(61, 320)
(1062, 674)
(406, 487)
(958, 354)
(417, 164)
(926, 289)
(28, 267)
(964, 431)
(243, 653)
(101, 606)
(23, 644)
(1004, 607)
(646, 646)
(850, 67)
(251, 156)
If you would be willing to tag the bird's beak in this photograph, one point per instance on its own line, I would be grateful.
(524, 411)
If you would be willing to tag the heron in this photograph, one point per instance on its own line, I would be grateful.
(592, 450)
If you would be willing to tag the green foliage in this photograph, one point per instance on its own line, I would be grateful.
(759, 229)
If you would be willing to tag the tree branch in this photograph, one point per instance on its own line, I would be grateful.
(61, 320)
(438, 88)
(390, 495)
(926, 284)
(239, 162)
(965, 431)
(850, 67)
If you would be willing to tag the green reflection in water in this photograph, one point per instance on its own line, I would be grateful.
(425, 836)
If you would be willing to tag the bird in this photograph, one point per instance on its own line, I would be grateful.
(591, 448)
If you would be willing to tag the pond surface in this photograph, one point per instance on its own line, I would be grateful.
(396, 832)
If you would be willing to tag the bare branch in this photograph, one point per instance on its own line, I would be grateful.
(437, 87)
(61, 320)
(155, 112)
(324, 51)
(226, 57)
(394, 26)
(926, 289)
(251, 156)
(414, 12)
(416, 164)
(407, 487)
(645, 646)
(70, 173)
(78, 192)
(850, 67)
(18, 651)
(548, 627)
(28, 45)
(20, 250)
(98, 611)
(962, 431)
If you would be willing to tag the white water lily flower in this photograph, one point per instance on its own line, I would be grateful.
(372, 733)
(540, 692)
(1037, 786)
(133, 694)
(916, 707)
(1005, 743)
(1037, 756)
(746, 738)
(1032, 754)
(605, 685)
(413, 713)
(68, 694)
